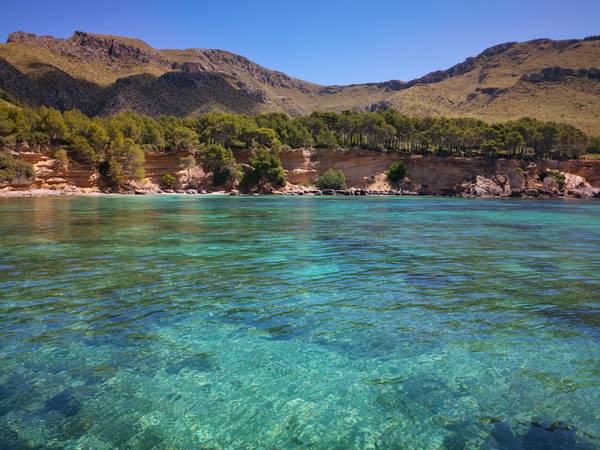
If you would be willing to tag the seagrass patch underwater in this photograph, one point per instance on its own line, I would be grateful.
(274, 322)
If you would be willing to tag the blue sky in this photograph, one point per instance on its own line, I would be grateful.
(328, 42)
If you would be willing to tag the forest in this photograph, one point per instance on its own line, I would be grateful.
(116, 144)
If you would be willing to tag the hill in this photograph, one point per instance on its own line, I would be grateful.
(101, 74)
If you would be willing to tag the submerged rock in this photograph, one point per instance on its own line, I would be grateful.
(555, 436)
(64, 403)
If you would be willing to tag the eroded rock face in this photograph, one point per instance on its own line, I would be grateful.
(551, 186)
(432, 175)
(520, 183)
(517, 181)
(483, 187)
(577, 186)
(89, 46)
(365, 172)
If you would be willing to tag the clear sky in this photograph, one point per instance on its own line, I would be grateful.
(328, 42)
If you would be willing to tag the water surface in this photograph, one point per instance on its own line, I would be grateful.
(268, 322)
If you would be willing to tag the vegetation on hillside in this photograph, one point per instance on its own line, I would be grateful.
(13, 170)
(168, 181)
(219, 161)
(397, 172)
(265, 171)
(332, 179)
(117, 144)
(101, 74)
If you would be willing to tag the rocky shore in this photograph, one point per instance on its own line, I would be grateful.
(480, 187)
(554, 184)
(365, 172)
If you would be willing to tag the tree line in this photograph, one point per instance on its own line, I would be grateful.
(116, 144)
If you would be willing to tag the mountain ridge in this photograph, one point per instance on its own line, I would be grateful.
(102, 74)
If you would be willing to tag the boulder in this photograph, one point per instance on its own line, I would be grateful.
(550, 185)
(480, 187)
(516, 181)
(531, 193)
(577, 186)
(586, 192)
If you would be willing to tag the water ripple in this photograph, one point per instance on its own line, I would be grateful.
(262, 322)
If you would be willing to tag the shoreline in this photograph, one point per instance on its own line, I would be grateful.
(47, 193)
(365, 173)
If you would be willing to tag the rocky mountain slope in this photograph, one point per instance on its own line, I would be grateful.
(100, 74)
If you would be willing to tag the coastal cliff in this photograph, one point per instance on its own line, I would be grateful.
(430, 175)
(365, 172)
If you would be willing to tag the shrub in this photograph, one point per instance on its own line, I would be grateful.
(112, 171)
(591, 156)
(558, 177)
(61, 158)
(130, 158)
(168, 180)
(332, 179)
(397, 172)
(219, 161)
(227, 175)
(83, 153)
(52, 123)
(593, 145)
(326, 139)
(182, 138)
(265, 170)
(14, 170)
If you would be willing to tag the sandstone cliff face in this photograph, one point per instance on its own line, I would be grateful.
(434, 175)
(363, 169)
(50, 174)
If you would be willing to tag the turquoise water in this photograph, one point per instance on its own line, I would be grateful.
(272, 322)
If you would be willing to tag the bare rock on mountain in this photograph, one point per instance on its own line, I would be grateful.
(545, 79)
(558, 74)
(88, 46)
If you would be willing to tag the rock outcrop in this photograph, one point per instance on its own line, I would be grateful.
(558, 74)
(577, 186)
(485, 187)
(429, 175)
(548, 184)
(93, 47)
(100, 74)
(365, 172)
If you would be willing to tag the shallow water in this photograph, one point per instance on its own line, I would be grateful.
(270, 322)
